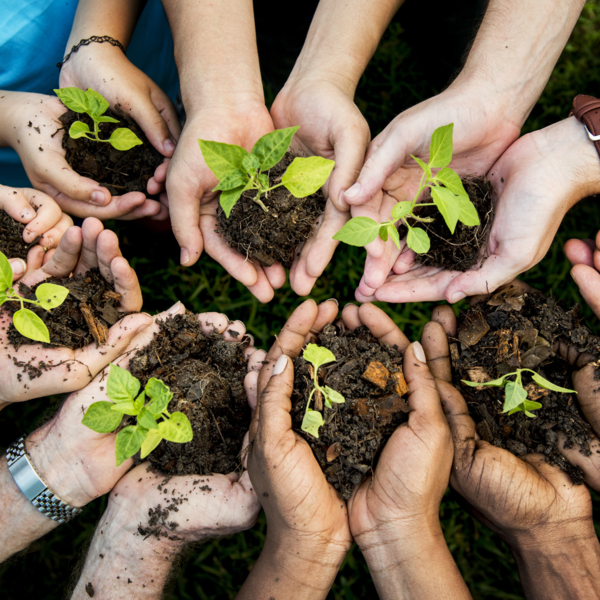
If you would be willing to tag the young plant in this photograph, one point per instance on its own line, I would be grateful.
(515, 395)
(239, 170)
(447, 193)
(313, 419)
(26, 322)
(122, 388)
(95, 105)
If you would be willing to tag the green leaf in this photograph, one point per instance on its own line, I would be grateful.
(78, 129)
(263, 179)
(312, 421)
(451, 180)
(229, 199)
(548, 385)
(271, 148)
(250, 164)
(447, 204)
(234, 180)
(221, 158)
(100, 417)
(401, 210)
(27, 323)
(152, 440)
(494, 383)
(129, 441)
(531, 405)
(394, 235)
(121, 386)
(333, 395)
(159, 394)
(440, 149)
(305, 176)
(423, 166)
(514, 395)
(139, 402)
(145, 419)
(75, 99)
(383, 233)
(98, 103)
(124, 139)
(468, 213)
(50, 295)
(418, 240)
(358, 231)
(318, 356)
(125, 408)
(6, 274)
(176, 429)
(105, 119)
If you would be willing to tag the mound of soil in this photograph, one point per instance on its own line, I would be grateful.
(84, 317)
(206, 376)
(274, 236)
(520, 330)
(368, 373)
(458, 252)
(12, 244)
(119, 172)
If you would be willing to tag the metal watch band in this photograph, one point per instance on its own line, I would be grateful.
(33, 486)
(587, 110)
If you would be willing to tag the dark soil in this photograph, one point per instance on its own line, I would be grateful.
(119, 172)
(206, 376)
(84, 317)
(356, 431)
(519, 330)
(461, 251)
(274, 236)
(12, 244)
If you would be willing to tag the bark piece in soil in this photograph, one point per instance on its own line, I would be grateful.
(520, 331)
(274, 236)
(89, 310)
(118, 171)
(461, 251)
(368, 373)
(12, 244)
(206, 376)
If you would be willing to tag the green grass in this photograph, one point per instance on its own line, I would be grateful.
(217, 569)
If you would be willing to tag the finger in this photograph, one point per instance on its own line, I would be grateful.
(88, 259)
(149, 208)
(19, 268)
(52, 237)
(326, 313)
(107, 248)
(48, 214)
(406, 288)
(405, 261)
(213, 322)
(64, 260)
(588, 282)
(557, 477)
(580, 252)
(156, 183)
(363, 292)
(435, 345)
(36, 258)
(350, 317)
(588, 394)
(14, 202)
(275, 275)
(444, 315)
(234, 332)
(590, 465)
(127, 285)
(132, 204)
(378, 269)
(251, 387)
(256, 359)
(382, 327)
(262, 289)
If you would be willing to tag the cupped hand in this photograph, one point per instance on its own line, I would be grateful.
(331, 126)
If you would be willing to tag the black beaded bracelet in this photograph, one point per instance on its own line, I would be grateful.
(95, 38)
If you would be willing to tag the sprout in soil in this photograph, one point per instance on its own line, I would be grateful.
(313, 419)
(122, 389)
(515, 395)
(447, 193)
(239, 170)
(26, 322)
(95, 105)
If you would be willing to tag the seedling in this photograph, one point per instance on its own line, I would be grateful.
(239, 170)
(122, 388)
(447, 193)
(313, 419)
(26, 322)
(515, 395)
(95, 105)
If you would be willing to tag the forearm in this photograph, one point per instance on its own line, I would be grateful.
(215, 52)
(342, 39)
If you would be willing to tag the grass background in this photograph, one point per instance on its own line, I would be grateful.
(400, 75)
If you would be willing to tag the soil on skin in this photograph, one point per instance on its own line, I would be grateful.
(118, 171)
(206, 376)
(12, 244)
(368, 373)
(89, 310)
(461, 251)
(274, 236)
(514, 330)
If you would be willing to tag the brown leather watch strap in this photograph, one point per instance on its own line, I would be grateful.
(587, 110)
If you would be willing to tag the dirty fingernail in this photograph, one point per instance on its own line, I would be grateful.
(333, 300)
(28, 213)
(175, 308)
(185, 256)
(352, 191)
(456, 297)
(169, 145)
(98, 198)
(18, 266)
(280, 365)
(419, 352)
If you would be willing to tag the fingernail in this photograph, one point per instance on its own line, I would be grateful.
(333, 300)
(185, 256)
(341, 202)
(349, 304)
(49, 244)
(456, 297)
(28, 213)
(419, 352)
(169, 145)
(98, 198)
(351, 192)
(280, 365)
(18, 266)
(175, 308)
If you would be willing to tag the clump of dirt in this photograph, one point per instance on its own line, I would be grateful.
(273, 236)
(12, 244)
(368, 373)
(461, 251)
(84, 317)
(512, 330)
(118, 171)
(206, 376)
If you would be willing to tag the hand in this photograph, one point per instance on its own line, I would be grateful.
(584, 255)
(193, 204)
(330, 126)
(44, 161)
(79, 250)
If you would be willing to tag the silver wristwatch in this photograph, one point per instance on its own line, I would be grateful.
(33, 486)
